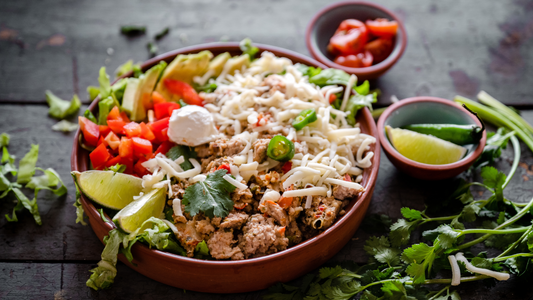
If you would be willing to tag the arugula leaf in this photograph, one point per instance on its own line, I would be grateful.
(185, 151)
(93, 92)
(104, 275)
(61, 109)
(210, 196)
(248, 48)
(27, 165)
(330, 77)
(105, 85)
(65, 126)
(411, 214)
(380, 248)
(4, 139)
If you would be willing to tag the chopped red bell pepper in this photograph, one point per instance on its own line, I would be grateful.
(113, 161)
(184, 90)
(91, 131)
(164, 147)
(141, 146)
(285, 202)
(125, 148)
(165, 109)
(139, 169)
(158, 98)
(124, 117)
(132, 129)
(286, 167)
(158, 127)
(117, 126)
(146, 132)
(225, 167)
(104, 130)
(128, 162)
(101, 140)
(99, 156)
(114, 114)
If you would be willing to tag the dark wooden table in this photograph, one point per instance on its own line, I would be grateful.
(454, 48)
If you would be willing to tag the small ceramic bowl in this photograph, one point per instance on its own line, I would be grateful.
(247, 275)
(428, 110)
(324, 24)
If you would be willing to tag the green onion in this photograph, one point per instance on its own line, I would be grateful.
(506, 111)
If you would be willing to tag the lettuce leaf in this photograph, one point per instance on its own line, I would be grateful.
(61, 109)
(4, 139)
(357, 102)
(24, 202)
(64, 126)
(307, 70)
(27, 165)
(9, 163)
(104, 107)
(330, 77)
(79, 208)
(248, 48)
(124, 68)
(105, 85)
(104, 275)
(93, 92)
(50, 180)
(89, 115)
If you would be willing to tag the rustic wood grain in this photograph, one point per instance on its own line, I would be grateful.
(452, 49)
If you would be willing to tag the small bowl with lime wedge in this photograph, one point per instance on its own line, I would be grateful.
(431, 138)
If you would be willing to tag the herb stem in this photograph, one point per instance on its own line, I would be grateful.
(449, 280)
(428, 219)
(440, 292)
(494, 231)
(503, 258)
(513, 245)
(515, 218)
(516, 148)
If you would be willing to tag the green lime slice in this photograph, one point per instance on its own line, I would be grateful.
(424, 148)
(151, 204)
(107, 188)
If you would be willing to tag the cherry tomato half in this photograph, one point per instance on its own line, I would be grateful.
(360, 60)
(350, 38)
(382, 27)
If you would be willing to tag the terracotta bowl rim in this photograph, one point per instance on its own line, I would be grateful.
(92, 212)
(387, 146)
(374, 69)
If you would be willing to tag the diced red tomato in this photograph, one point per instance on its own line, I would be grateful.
(104, 130)
(157, 98)
(125, 148)
(117, 126)
(380, 49)
(360, 60)
(139, 169)
(124, 117)
(132, 129)
(114, 114)
(141, 146)
(146, 132)
(128, 162)
(112, 140)
(184, 90)
(382, 27)
(225, 167)
(164, 147)
(287, 166)
(113, 161)
(91, 131)
(350, 38)
(285, 202)
(165, 109)
(99, 156)
(101, 140)
(347, 177)
(160, 128)
(332, 98)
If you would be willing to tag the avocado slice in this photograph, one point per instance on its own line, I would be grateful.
(184, 68)
(236, 63)
(137, 92)
(217, 64)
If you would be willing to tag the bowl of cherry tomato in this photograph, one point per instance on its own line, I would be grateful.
(361, 38)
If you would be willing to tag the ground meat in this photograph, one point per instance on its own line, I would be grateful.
(341, 192)
(234, 220)
(188, 236)
(270, 181)
(204, 228)
(220, 246)
(261, 237)
(260, 150)
(225, 147)
(216, 221)
(276, 212)
(293, 233)
(301, 147)
(276, 83)
(322, 213)
(178, 189)
(241, 198)
(211, 165)
(203, 151)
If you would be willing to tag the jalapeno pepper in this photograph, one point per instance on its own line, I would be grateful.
(457, 134)
(280, 148)
(304, 118)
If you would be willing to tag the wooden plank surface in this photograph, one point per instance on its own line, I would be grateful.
(452, 49)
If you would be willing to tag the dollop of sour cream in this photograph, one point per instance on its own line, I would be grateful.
(192, 125)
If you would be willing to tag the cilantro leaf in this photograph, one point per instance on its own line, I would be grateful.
(446, 235)
(411, 214)
(416, 253)
(401, 231)
(61, 109)
(185, 151)
(210, 196)
(380, 248)
(469, 212)
(495, 142)
(376, 223)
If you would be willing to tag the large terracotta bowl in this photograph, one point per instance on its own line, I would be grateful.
(250, 274)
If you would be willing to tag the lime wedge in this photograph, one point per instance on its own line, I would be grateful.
(424, 148)
(131, 217)
(107, 188)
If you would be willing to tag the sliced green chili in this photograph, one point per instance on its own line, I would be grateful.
(280, 148)
(304, 118)
(457, 134)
